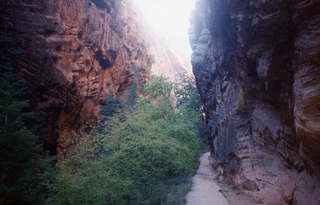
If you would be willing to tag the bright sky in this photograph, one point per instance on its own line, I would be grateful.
(170, 19)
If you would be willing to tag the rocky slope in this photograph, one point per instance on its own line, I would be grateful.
(258, 69)
(76, 52)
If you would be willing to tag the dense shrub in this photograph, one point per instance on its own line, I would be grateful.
(146, 156)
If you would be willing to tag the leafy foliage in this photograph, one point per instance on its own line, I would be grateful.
(145, 152)
(187, 93)
(145, 157)
(159, 86)
(188, 101)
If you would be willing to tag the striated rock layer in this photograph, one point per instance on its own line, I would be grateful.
(257, 65)
(76, 52)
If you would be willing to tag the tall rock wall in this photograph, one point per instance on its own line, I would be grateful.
(257, 65)
(75, 52)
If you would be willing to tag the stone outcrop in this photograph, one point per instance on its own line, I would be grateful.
(257, 65)
(75, 53)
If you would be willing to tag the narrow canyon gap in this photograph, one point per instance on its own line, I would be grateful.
(170, 21)
(256, 64)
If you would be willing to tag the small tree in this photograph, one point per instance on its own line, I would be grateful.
(187, 93)
(160, 91)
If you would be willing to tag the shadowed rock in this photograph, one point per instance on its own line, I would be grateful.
(257, 69)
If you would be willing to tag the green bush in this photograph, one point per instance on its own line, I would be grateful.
(146, 157)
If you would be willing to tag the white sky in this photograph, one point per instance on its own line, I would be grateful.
(170, 19)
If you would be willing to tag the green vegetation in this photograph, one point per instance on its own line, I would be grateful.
(145, 154)
(25, 171)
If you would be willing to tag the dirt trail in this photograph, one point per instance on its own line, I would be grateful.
(204, 190)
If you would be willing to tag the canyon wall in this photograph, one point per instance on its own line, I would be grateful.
(257, 65)
(75, 54)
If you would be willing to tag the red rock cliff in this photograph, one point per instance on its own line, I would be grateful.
(75, 53)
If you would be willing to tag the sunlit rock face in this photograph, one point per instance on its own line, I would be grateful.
(166, 62)
(257, 65)
(75, 53)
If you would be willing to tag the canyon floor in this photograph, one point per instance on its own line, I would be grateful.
(205, 191)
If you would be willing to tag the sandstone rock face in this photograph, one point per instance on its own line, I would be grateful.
(166, 61)
(75, 53)
(257, 65)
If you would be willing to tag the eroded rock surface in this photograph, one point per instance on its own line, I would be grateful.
(257, 65)
(76, 52)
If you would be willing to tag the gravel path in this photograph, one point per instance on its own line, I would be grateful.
(204, 190)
